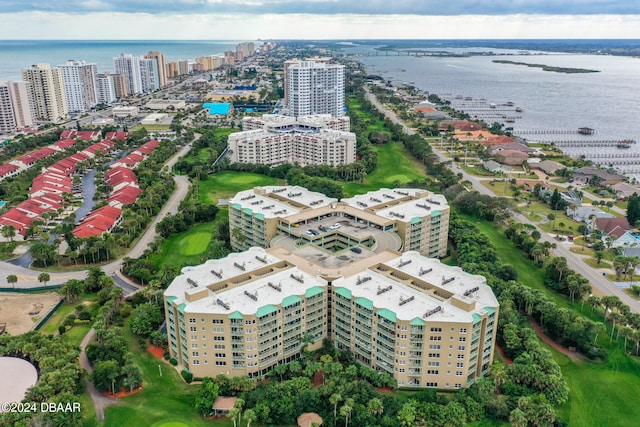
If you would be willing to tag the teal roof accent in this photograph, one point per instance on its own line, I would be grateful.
(476, 318)
(181, 307)
(247, 210)
(290, 300)
(417, 322)
(416, 220)
(236, 315)
(387, 314)
(259, 216)
(237, 206)
(365, 302)
(343, 292)
(313, 291)
(266, 309)
(170, 299)
(436, 213)
(490, 310)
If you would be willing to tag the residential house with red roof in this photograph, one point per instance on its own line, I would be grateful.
(85, 135)
(99, 221)
(117, 136)
(63, 144)
(8, 170)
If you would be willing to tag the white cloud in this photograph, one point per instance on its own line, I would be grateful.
(115, 25)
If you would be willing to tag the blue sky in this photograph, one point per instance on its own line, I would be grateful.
(330, 19)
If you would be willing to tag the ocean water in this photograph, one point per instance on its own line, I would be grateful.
(607, 101)
(18, 54)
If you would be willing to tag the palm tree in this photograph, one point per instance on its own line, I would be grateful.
(251, 416)
(375, 406)
(233, 414)
(334, 400)
(598, 328)
(345, 411)
(12, 279)
(9, 231)
(44, 278)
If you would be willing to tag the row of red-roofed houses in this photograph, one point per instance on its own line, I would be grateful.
(47, 193)
(125, 191)
(67, 139)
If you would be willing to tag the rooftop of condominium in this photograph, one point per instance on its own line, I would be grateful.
(277, 201)
(407, 285)
(400, 204)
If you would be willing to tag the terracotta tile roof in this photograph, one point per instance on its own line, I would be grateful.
(7, 168)
(126, 195)
(65, 143)
(118, 136)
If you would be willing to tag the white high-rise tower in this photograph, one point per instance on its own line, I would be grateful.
(129, 66)
(315, 88)
(80, 81)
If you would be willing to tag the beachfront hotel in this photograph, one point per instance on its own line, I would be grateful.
(396, 219)
(423, 322)
(308, 140)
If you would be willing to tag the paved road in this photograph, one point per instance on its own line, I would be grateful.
(599, 283)
(100, 401)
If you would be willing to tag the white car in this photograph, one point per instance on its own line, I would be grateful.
(334, 226)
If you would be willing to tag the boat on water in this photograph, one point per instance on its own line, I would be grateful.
(519, 110)
(625, 143)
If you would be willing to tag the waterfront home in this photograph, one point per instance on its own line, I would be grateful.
(586, 175)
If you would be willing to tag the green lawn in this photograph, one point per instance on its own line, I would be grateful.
(601, 393)
(226, 184)
(395, 167)
(187, 248)
(164, 399)
(373, 124)
(51, 326)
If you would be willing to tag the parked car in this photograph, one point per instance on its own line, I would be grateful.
(334, 226)
(356, 250)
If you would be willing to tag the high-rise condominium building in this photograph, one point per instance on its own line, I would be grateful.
(161, 61)
(129, 66)
(149, 75)
(314, 88)
(80, 85)
(398, 220)
(209, 62)
(15, 108)
(172, 69)
(120, 85)
(311, 140)
(46, 93)
(183, 67)
(7, 120)
(106, 89)
(424, 323)
(245, 50)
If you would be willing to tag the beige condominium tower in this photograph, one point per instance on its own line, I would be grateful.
(348, 273)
